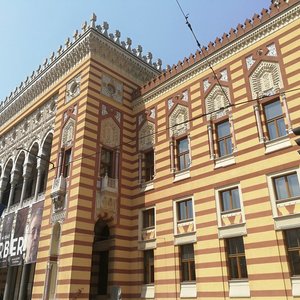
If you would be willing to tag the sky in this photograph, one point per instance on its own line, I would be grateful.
(31, 30)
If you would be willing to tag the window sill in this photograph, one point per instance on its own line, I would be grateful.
(148, 291)
(239, 288)
(147, 245)
(180, 175)
(185, 238)
(295, 286)
(224, 161)
(147, 186)
(188, 290)
(232, 231)
(287, 222)
(277, 144)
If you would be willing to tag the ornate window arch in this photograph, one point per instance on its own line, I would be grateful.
(178, 120)
(266, 79)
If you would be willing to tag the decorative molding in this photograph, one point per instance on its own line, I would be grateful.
(112, 88)
(217, 100)
(73, 88)
(178, 120)
(110, 133)
(147, 136)
(266, 79)
(68, 133)
(92, 41)
(31, 129)
(167, 81)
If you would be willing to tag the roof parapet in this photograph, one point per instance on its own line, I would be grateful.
(103, 30)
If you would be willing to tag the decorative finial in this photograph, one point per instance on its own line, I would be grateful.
(105, 27)
(117, 36)
(93, 20)
(139, 50)
(84, 26)
(128, 44)
(149, 58)
(67, 42)
(60, 49)
(75, 35)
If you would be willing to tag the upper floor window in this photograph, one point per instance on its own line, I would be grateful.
(148, 218)
(236, 258)
(184, 210)
(107, 163)
(148, 266)
(224, 138)
(286, 186)
(292, 237)
(230, 199)
(187, 263)
(183, 155)
(274, 120)
(67, 162)
(149, 165)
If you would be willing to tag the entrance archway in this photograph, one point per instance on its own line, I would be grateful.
(100, 262)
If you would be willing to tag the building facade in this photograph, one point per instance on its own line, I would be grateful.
(120, 180)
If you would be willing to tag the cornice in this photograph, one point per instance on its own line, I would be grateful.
(250, 38)
(92, 41)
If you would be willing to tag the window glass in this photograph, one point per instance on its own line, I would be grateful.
(273, 110)
(149, 165)
(148, 266)
(185, 210)
(183, 157)
(106, 166)
(148, 218)
(294, 185)
(223, 129)
(230, 199)
(187, 262)
(293, 249)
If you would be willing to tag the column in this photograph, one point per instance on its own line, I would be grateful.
(13, 183)
(190, 149)
(286, 110)
(258, 123)
(3, 183)
(24, 281)
(172, 156)
(8, 284)
(117, 164)
(26, 171)
(140, 167)
(211, 141)
(234, 147)
(40, 167)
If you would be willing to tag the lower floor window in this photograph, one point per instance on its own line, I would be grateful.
(236, 258)
(148, 266)
(187, 263)
(293, 248)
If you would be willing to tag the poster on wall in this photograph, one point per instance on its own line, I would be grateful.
(17, 243)
(33, 234)
(5, 239)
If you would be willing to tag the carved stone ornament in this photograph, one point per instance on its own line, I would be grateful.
(110, 133)
(206, 85)
(266, 79)
(28, 131)
(73, 88)
(215, 101)
(68, 133)
(224, 75)
(250, 62)
(112, 88)
(178, 120)
(147, 136)
(272, 50)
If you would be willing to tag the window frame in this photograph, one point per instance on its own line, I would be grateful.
(148, 260)
(231, 209)
(290, 249)
(185, 154)
(149, 165)
(275, 119)
(224, 138)
(288, 189)
(190, 262)
(104, 164)
(66, 166)
(150, 218)
(237, 256)
(187, 212)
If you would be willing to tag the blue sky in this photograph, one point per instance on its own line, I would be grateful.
(31, 30)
